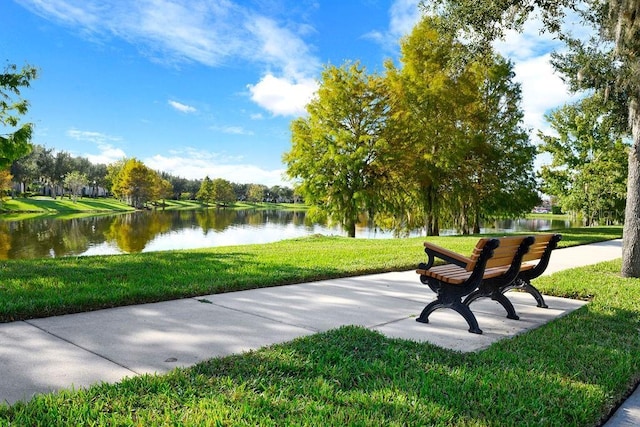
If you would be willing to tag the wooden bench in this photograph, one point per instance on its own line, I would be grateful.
(534, 263)
(494, 261)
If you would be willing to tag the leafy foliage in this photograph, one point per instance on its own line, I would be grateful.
(457, 130)
(136, 183)
(14, 137)
(336, 149)
(430, 142)
(219, 191)
(75, 182)
(589, 160)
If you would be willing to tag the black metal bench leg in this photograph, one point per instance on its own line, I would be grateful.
(504, 301)
(458, 306)
(527, 287)
(477, 294)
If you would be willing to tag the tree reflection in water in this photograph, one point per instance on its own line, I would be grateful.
(145, 231)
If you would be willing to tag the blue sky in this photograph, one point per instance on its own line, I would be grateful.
(209, 87)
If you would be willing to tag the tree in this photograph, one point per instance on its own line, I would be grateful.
(205, 193)
(455, 136)
(136, 183)
(5, 183)
(75, 182)
(53, 169)
(255, 193)
(334, 154)
(501, 176)
(608, 64)
(25, 170)
(15, 143)
(222, 192)
(162, 189)
(589, 160)
(114, 175)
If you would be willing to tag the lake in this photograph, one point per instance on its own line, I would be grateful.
(148, 231)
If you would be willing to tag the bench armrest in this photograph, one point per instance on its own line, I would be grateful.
(435, 251)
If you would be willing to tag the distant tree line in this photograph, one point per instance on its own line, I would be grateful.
(45, 171)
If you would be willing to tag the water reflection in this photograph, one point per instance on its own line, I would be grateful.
(157, 230)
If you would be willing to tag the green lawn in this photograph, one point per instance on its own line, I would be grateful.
(50, 205)
(23, 208)
(570, 372)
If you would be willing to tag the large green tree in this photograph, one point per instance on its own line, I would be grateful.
(205, 193)
(455, 135)
(223, 193)
(496, 177)
(25, 170)
(136, 183)
(428, 99)
(335, 149)
(608, 63)
(15, 137)
(218, 191)
(588, 171)
(255, 193)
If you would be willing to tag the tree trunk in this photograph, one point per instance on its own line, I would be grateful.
(464, 220)
(631, 232)
(476, 221)
(350, 227)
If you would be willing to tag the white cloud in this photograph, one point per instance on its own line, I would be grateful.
(197, 164)
(279, 46)
(108, 153)
(232, 130)
(542, 89)
(184, 108)
(403, 16)
(531, 42)
(83, 15)
(281, 96)
(91, 136)
(210, 32)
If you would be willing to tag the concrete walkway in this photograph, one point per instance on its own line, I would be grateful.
(77, 350)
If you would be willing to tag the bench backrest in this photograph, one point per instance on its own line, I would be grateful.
(537, 250)
(502, 256)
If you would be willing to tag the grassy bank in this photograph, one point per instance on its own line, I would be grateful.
(49, 205)
(570, 372)
(64, 205)
(46, 287)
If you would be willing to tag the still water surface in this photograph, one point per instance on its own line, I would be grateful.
(148, 231)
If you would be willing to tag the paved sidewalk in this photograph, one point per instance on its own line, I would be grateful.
(77, 350)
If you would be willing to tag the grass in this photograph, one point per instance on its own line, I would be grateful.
(570, 372)
(48, 205)
(550, 216)
(18, 209)
(62, 205)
